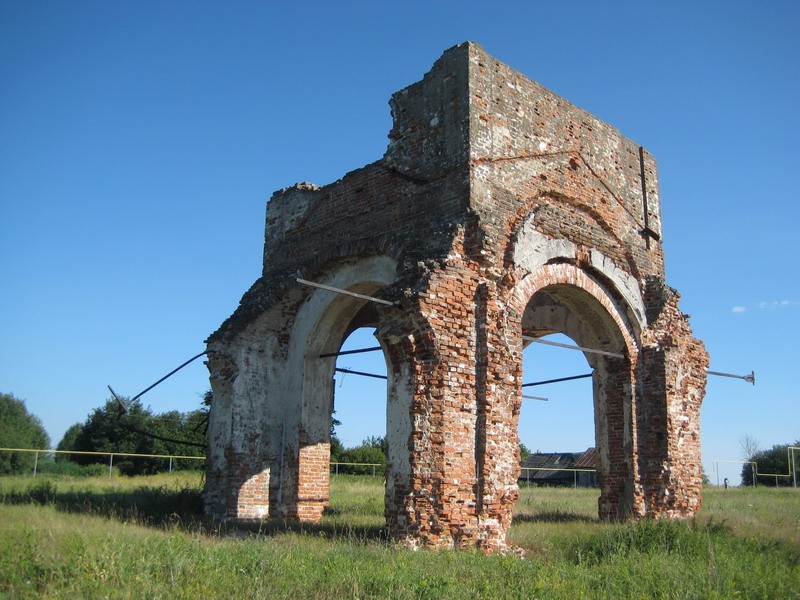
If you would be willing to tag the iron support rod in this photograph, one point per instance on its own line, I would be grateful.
(345, 352)
(646, 229)
(543, 399)
(557, 380)
(748, 378)
(361, 373)
(344, 292)
(572, 347)
(167, 376)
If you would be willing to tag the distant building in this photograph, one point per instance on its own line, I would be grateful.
(561, 468)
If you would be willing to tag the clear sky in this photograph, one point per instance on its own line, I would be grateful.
(140, 141)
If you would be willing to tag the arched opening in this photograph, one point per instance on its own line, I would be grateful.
(342, 315)
(359, 405)
(556, 423)
(324, 322)
(585, 317)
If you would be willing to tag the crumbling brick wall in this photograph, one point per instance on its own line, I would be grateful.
(499, 213)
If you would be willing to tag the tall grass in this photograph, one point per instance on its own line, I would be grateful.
(108, 538)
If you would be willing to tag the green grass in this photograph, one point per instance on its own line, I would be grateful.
(144, 538)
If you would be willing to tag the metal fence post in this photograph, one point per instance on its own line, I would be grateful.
(110, 464)
(35, 463)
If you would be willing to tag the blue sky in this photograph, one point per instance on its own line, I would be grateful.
(140, 141)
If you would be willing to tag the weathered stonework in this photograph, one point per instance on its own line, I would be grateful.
(499, 210)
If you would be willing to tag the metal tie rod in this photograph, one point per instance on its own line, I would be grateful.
(362, 373)
(560, 379)
(748, 378)
(345, 352)
(345, 292)
(167, 376)
(535, 398)
(571, 347)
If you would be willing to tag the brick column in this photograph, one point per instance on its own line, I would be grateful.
(238, 472)
(463, 465)
(673, 379)
(615, 432)
(313, 481)
(497, 387)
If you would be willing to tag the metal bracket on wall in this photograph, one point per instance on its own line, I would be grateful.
(748, 378)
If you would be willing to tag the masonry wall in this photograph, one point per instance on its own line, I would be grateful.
(496, 204)
(534, 152)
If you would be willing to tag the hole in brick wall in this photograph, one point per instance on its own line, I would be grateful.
(565, 423)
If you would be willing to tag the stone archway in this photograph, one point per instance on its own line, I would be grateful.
(321, 325)
(284, 425)
(564, 299)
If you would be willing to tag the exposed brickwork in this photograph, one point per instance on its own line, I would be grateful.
(499, 210)
(313, 481)
(674, 381)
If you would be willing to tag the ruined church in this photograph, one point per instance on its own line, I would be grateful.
(499, 214)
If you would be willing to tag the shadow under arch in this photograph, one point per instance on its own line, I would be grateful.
(562, 298)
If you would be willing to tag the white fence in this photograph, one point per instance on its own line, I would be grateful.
(110, 455)
(376, 469)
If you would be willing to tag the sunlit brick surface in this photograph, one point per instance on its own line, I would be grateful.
(499, 210)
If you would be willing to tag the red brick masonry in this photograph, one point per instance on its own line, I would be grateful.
(499, 211)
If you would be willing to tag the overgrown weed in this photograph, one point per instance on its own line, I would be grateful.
(654, 537)
(52, 545)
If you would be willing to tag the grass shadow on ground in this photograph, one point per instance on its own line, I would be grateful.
(147, 505)
(271, 527)
(174, 507)
(553, 517)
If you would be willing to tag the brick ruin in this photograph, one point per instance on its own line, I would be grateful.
(499, 213)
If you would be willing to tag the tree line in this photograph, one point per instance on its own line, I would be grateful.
(118, 426)
(19, 429)
(773, 466)
(121, 426)
(124, 426)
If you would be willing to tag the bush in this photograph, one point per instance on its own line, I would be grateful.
(71, 469)
(372, 451)
(774, 461)
(19, 429)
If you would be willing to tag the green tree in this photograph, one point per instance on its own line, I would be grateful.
(117, 428)
(180, 434)
(775, 460)
(371, 451)
(378, 442)
(122, 426)
(338, 451)
(19, 429)
(69, 441)
(524, 452)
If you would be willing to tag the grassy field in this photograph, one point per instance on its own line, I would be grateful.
(145, 538)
